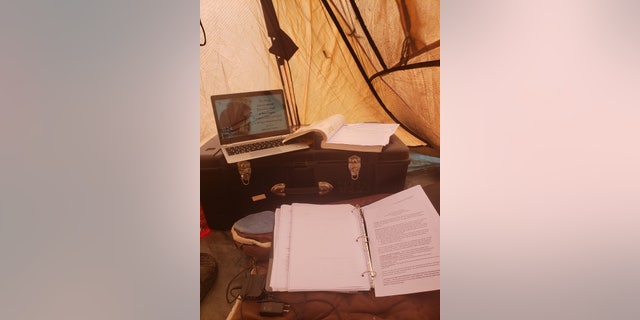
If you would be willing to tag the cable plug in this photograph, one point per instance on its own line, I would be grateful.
(273, 309)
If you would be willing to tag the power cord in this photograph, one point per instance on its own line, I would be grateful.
(332, 310)
(204, 34)
(237, 287)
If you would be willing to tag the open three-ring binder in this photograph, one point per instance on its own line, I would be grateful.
(391, 246)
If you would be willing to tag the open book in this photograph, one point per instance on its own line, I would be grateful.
(391, 246)
(335, 133)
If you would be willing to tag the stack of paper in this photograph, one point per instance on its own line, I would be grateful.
(391, 245)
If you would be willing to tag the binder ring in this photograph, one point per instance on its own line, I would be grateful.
(371, 273)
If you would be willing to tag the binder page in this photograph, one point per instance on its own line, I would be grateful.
(404, 240)
(279, 268)
(324, 253)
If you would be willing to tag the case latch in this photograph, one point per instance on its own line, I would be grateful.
(280, 189)
(354, 166)
(244, 168)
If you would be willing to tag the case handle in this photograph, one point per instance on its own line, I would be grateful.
(280, 189)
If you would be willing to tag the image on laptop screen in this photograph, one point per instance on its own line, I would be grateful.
(250, 115)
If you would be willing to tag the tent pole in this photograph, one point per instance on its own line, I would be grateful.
(283, 48)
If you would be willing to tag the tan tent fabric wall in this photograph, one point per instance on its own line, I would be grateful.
(405, 32)
(235, 57)
(326, 79)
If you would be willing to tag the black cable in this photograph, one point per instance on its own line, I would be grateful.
(229, 289)
(230, 292)
(304, 305)
(203, 33)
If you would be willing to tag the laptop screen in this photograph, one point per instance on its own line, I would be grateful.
(249, 115)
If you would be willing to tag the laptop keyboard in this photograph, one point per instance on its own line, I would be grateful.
(254, 146)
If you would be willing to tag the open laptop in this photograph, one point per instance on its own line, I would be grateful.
(252, 125)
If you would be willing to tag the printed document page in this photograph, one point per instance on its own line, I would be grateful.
(324, 253)
(404, 239)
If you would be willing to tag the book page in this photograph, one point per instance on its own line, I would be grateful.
(329, 125)
(404, 240)
(324, 253)
(364, 134)
(326, 127)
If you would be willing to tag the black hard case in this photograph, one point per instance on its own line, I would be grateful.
(309, 176)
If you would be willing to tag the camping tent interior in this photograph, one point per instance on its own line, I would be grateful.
(372, 61)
